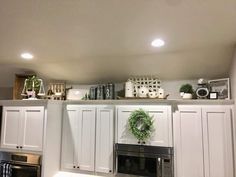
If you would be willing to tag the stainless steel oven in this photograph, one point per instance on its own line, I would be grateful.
(20, 165)
(143, 160)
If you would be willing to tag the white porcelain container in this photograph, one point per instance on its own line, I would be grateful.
(187, 96)
(161, 93)
(143, 92)
(152, 94)
(129, 89)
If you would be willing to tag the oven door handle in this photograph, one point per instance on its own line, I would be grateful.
(159, 167)
(19, 167)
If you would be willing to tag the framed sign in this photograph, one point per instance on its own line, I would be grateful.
(213, 95)
(221, 86)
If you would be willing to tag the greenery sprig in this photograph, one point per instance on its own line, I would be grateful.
(141, 124)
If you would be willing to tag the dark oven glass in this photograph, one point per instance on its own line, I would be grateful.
(25, 171)
(144, 166)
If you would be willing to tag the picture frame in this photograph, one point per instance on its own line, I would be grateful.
(213, 95)
(221, 86)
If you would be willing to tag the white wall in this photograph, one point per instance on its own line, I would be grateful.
(233, 77)
(6, 93)
(233, 96)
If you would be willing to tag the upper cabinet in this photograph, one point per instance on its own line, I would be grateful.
(22, 128)
(162, 117)
(88, 138)
(203, 141)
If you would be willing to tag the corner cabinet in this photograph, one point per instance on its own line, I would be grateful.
(88, 138)
(22, 128)
(203, 141)
(162, 117)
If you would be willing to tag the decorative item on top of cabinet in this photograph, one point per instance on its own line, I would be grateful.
(33, 88)
(221, 86)
(186, 91)
(56, 91)
(153, 83)
(102, 92)
(129, 89)
(202, 91)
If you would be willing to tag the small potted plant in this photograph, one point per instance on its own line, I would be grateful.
(186, 91)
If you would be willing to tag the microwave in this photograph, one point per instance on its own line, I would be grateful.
(143, 160)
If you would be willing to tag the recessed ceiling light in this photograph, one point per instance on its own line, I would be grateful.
(158, 43)
(27, 56)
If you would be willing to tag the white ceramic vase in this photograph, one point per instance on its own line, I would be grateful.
(187, 96)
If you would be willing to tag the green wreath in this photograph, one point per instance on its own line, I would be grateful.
(141, 124)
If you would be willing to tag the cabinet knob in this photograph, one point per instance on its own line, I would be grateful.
(17, 147)
(110, 171)
(21, 147)
(73, 166)
(77, 166)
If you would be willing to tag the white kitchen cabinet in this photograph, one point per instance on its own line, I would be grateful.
(203, 141)
(22, 128)
(218, 146)
(162, 135)
(88, 138)
(188, 142)
(104, 140)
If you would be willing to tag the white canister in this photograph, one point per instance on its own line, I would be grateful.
(161, 93)
(129, 89)
(143, 92)
(152, 94)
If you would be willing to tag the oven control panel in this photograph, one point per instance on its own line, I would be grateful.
(19, 158)
(167, 168)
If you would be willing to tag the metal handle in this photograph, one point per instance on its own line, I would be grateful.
(159, 167)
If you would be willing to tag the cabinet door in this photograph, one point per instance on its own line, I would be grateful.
(11, 127)
(188, 142)
(32, 128)
(218, 141)
(162, 125)
(70, 137)
(86, 138)
(104, 139)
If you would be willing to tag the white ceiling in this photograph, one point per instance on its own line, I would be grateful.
(92, 41)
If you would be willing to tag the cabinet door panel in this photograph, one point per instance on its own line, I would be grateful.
(86, 144)
(70, 138)
(160, 136)
(218, 141)
(32, 128)
(188, 142)
(104, 140)
(10, 127)
(162, 125)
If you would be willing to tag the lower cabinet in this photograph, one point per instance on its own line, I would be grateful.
(203, 141)
(88, 138)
